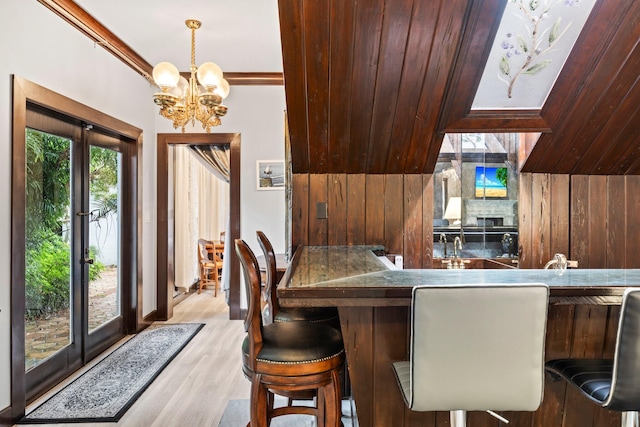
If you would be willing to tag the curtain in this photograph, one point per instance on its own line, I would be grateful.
(201, 211)
(215, 158)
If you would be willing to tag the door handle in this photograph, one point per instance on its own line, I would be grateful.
(87, 259)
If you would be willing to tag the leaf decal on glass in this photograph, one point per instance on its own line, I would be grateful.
(522, 53)
(538, 67)
(553, 35)
(504, 66)
(523, 44)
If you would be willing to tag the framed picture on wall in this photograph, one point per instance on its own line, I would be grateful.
(270, 174)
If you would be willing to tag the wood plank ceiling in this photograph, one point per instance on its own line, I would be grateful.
(373, 85)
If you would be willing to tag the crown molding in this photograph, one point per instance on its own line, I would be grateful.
(101, 35)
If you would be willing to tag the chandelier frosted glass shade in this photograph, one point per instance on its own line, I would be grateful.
(166, 75)
(199, 98)
(209, 74)
(223, 89)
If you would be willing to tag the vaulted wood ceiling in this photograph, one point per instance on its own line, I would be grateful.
(372, 86)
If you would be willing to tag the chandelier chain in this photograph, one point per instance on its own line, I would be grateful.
(193, 47)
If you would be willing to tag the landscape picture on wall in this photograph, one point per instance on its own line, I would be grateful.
(491, 182)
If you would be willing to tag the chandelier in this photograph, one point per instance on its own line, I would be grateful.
(185, 101)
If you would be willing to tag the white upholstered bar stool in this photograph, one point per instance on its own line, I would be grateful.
(475, 348)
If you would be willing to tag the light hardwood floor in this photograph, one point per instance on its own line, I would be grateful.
(193, 390)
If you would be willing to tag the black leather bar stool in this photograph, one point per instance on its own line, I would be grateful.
(288, 358)
(475, 348)
(273, 312)
(611, 383)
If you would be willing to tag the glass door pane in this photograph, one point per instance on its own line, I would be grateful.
(48, 293)
(104, 237)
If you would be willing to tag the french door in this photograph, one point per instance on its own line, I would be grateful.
(77, 253)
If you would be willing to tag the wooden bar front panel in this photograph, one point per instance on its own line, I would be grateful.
(374, 337)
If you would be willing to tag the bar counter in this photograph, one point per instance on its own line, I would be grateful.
(374, 304)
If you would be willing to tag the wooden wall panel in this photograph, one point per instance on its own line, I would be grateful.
(337, 207)
(597, 215)
(342, 21)
(356, 205)
(580, 220)
(616, 233)
(393, 214)
(540, 223)
(587, 218)
(413, 221)
(559, 215)
(292, 40)
(316, 67)
(374, 205)
(604, 213)
(543, 212)
(391, 210)
(427, 220)
(364, 59)
(300, 210)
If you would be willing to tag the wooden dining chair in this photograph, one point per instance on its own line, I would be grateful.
(288, 358)
(209, 266)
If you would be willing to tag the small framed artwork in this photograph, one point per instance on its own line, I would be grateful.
(270, 174)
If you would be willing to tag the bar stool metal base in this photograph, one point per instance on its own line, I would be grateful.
(458, 418)
(630, 419)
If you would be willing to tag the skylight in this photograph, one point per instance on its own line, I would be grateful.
(532, 45)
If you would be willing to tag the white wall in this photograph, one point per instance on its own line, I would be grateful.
(257, 113)
(39, 46)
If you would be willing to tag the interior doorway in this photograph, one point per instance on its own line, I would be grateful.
(199, 200)
(165, 247)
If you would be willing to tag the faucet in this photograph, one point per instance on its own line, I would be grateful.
(443, 239)
(507, 244)
(558, 262)
(457, 244)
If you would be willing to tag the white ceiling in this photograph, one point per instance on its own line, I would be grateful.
(238, 35)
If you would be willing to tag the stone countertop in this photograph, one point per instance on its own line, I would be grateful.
(337, 273)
